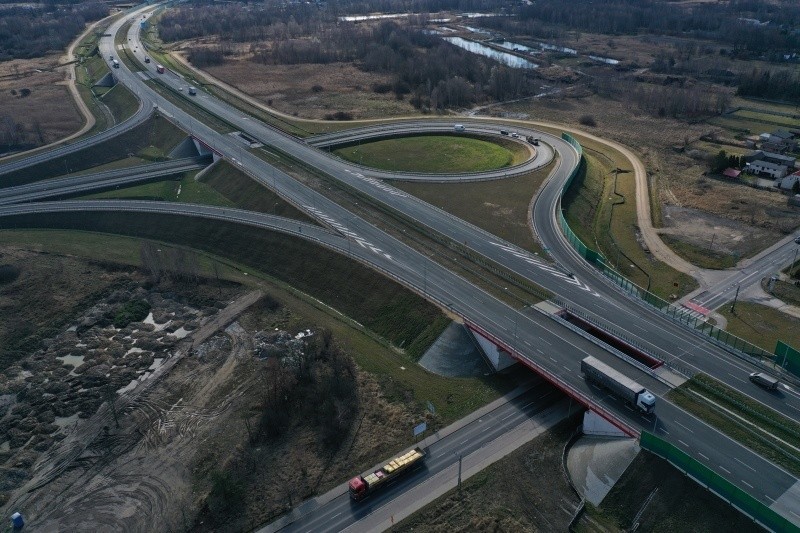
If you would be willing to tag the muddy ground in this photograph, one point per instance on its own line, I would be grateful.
(713, 232)
(184, 444)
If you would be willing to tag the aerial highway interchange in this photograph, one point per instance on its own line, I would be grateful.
(530, 335)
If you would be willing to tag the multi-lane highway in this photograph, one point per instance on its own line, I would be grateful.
(545, 345)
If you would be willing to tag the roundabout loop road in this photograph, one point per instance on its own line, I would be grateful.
(542, 154)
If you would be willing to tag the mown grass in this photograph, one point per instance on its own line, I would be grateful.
(768, 118)
(150, 141)
(184, 188)
(432, 153)
(122, 103)
(761, 325)
(757, 441)
(498, 206)
(380, 305)
(702, 257)
(242, 191)
(679, 504)
(600, 207)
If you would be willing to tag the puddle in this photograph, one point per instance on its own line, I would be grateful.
(5, 446)
(129, 387)
(81, 345)
(157, 362)
(179, 333)
(65, 421)
(69, 359)
(502, 57)
(133, 350)
(158, 327)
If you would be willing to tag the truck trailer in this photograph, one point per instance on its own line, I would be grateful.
(619, 384)
(363, 486)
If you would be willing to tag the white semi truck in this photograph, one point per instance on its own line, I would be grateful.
(619, 384)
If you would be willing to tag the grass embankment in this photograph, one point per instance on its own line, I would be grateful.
(222, 185)
(761, 325)
(750, 423)
(122, 103)
(435, 154)
(498, 206)
(347, 286)
(600, 207)
(151, 141)
(380, 305)
(679, 504)
(184, 189)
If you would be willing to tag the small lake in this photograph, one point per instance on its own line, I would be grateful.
(516, 47)
(554, 48)
(502, 57)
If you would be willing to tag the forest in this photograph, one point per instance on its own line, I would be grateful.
(704, 39)
(27, 32)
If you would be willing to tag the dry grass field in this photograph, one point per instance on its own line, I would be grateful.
(313, 91)
(48, 113)
(678, 177)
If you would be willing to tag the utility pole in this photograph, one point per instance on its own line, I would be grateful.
(736, 297)
(460, 456)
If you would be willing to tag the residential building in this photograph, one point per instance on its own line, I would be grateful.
(765, 167)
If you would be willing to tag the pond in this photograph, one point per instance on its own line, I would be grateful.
(502, 57)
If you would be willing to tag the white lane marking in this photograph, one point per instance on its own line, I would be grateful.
(745, 464)
(545, 341)
(770, 499)
(679, 440)
(567, 368)
(703, 456)
(645, 419)
(664, 431)
(531, 260)
(684, 427)
(748, 484)
(553, 360)
(628, 407)
(797, 515)
(509, 415)
(546, 394)
(347, 232)
(724, 469)
(463, 442)
(528, 344)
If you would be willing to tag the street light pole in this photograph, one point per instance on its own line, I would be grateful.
(736, 297)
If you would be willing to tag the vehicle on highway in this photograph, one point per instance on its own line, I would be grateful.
(459, 127)
(146, 59)
(503, 132)
(619, 384)
(515, 135)
(160, 69)
(764, 380)
(115, 63)
(797, 240)
(533, 140)
(111, 58)
(192, 91)
(363, 486)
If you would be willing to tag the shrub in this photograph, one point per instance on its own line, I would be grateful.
(588, 120)
(317, 88)
(133, 311)
(8, 273)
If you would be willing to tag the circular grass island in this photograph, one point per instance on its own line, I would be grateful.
(435, 154)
